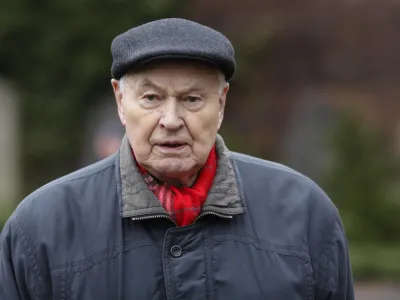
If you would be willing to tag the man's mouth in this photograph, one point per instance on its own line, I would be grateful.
(172, 145)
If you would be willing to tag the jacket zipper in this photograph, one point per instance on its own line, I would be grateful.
(153, 217)
(166, 217)
(213, 213)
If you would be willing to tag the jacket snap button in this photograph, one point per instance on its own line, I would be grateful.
(176, 251)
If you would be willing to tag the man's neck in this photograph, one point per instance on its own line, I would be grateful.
(182, 181)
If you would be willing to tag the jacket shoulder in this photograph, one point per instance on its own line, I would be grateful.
(284, 185)
(267, 165)
(52, 194)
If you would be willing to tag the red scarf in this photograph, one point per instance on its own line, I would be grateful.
(184, 204)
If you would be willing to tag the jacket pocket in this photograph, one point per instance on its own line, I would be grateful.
(248, 268)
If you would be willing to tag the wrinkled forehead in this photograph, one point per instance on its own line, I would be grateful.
(176, 73)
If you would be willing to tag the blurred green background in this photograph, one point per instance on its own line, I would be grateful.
(317, 88)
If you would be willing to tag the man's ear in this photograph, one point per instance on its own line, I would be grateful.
(222, 102)
(119, 99)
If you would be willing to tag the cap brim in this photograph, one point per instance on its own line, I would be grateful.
(179, 57)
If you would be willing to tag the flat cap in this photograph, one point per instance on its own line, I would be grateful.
(171, 38)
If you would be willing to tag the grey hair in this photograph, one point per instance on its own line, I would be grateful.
(221, 78)
(222, 82)
(122, 82)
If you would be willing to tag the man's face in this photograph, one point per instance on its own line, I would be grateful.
(172, 112)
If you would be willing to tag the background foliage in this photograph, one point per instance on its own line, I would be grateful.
(58, 54)
(364, 184)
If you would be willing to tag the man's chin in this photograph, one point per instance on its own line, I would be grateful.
(174, 167)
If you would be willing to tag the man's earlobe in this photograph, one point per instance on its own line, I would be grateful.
(121, 115)
(119, 99)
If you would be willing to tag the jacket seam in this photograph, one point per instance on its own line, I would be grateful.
(168, 270)
(32, 260)
(327, 244)
(109, 258)
(326, 247)
(75, 263)
(102, 252)
(282, 253)
(307, 275)
(255, 239)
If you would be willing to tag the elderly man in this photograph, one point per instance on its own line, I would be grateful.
(174, 214)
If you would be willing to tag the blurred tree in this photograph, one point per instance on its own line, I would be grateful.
(362, 182)
(58, 54)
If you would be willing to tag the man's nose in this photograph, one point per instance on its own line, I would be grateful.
(171, 115)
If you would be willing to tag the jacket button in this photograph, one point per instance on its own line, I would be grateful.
(176, 251)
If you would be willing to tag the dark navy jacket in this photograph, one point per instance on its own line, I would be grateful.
(265, 232)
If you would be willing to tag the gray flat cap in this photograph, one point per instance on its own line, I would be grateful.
(171, 39)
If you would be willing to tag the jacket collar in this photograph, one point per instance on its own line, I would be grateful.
(138, 202)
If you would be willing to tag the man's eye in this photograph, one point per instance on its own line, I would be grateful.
(151, 97)
(192, 99)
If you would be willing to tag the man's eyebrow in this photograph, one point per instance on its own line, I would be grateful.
(150, 84)
(188, 88)
(191, 87)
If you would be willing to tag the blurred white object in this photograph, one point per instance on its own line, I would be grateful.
(103, 132)
(9, 144)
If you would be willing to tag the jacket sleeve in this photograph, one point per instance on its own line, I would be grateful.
(19, 273)
(334, 275)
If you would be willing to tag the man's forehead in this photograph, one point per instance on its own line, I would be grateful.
(186, 84)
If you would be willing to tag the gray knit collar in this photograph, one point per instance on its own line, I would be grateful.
(138, 201)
